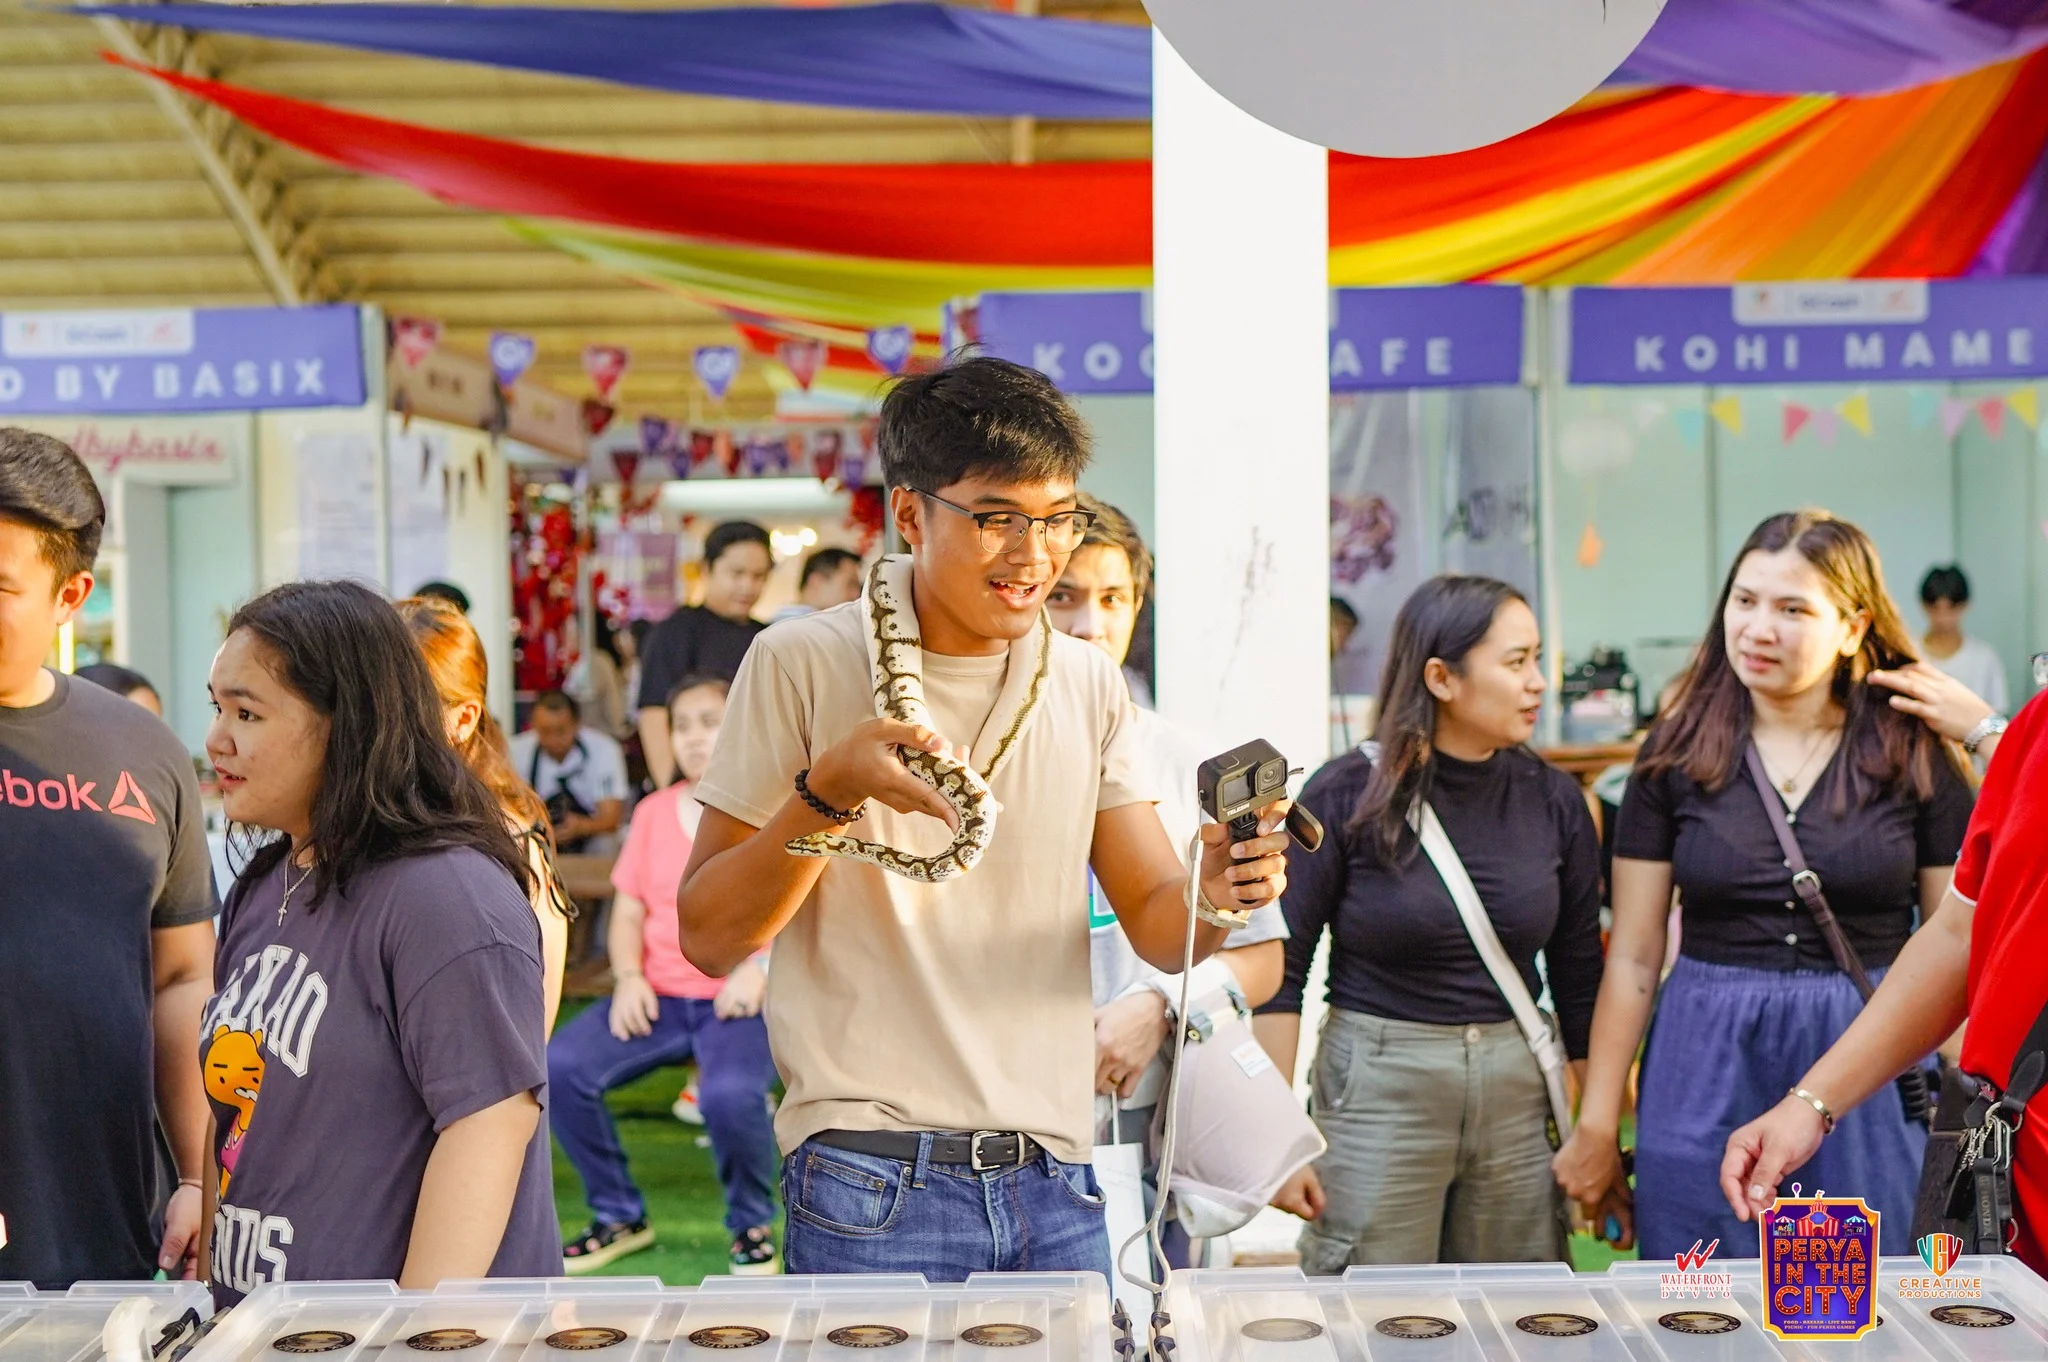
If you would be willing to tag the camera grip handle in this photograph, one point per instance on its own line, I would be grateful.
(1302, 825)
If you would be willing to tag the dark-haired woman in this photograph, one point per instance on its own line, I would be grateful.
(1434, 1106)
(374, 1055)
(462, 674)
(1878, 808)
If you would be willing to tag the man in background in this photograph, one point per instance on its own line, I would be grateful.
(578, 772)
(106, 924)
(1945, 596)
(831, 577)
(703, 640)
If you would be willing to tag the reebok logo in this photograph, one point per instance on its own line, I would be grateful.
(75, 795)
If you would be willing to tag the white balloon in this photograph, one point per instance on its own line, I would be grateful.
(1403, 77)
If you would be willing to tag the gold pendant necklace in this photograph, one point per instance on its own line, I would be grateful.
(289, 890)
(1790, 784)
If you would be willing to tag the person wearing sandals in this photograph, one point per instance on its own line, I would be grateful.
(1436, 1108)
(1877, 806)
(663, 1011)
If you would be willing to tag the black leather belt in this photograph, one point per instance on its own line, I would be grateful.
(984, 1151)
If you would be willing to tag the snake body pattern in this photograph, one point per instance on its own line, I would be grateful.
(896, 662)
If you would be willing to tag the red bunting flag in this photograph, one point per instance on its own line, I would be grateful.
(606, 365)
(1991, 411)
(414, 338)
(1796, 418)
(596, 416)
(627, 463)
(802, 356)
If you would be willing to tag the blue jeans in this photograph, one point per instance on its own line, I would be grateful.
(585, 1061)
(853, 1212)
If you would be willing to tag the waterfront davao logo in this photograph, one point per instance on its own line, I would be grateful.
(1941, 1252)
(1692, 1279)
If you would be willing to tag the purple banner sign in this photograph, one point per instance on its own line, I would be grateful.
(134, 362)
(1854, 331)
(1460, 335)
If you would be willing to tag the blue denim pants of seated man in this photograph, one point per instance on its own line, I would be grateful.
(853, 1212)
(734, 1071)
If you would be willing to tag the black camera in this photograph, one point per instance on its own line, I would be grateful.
(1237, 786)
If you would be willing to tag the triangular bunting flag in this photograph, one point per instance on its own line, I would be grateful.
(1855, 410)
(1590, 547)
(1728, 411)
(889, 347)
(1825, 425)
(1921, 407)
(2025, 403)
(606, 365)
(1692, 426)
(802, 356)
(716, 367)
(1954, 411)
(1796, 418)
(1991, 411)
(1648, 412)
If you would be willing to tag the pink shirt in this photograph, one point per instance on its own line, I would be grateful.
(650, 868)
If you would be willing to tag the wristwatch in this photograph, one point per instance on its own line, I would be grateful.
(1990, 726)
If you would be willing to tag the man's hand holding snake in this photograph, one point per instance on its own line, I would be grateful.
(865, 765)
(1234, 887)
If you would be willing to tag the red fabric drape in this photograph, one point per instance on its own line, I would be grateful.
(974, 214)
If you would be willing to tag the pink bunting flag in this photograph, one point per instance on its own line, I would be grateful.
(606, 365)
(1796, 418)
(414, 338)
(1825, 426)
(802, 356)
(1954, 412)
(1991, 411)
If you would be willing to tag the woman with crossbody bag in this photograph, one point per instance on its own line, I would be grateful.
(1872, 807)
(1440, 1115)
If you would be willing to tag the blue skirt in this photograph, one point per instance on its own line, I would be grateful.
(1726, 1045)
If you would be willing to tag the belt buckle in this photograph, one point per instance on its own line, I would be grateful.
(974, 1150)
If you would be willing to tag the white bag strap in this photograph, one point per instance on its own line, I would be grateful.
(1536, 1029)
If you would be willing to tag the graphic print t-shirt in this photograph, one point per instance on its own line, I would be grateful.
(101, 841)
(343, 1041)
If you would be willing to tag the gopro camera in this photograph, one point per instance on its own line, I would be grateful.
(1236, 787)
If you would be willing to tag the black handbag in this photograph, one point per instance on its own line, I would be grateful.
(1913, 1082)
(1966, 1177)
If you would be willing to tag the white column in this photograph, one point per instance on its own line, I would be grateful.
(1241, 439)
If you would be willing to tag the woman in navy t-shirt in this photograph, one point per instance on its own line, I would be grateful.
(375, 1055)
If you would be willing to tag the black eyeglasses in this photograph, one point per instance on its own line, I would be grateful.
(1003, 531)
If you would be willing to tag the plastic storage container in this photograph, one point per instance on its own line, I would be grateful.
(1546, 1313)
(68, 1326)
(995, 1317)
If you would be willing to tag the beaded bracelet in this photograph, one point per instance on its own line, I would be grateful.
(825, 810)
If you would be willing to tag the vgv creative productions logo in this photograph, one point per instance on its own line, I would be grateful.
(1940, 1252)
(1692, 1280)
(1818, 1255)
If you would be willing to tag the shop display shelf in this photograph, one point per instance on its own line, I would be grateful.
(994, 1317)
(69, 1326)
(1547, 1313)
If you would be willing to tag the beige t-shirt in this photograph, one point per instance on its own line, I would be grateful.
(897, 1005)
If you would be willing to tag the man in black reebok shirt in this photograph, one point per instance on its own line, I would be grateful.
(703, 640)
(106, 934)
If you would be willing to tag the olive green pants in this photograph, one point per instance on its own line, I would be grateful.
(1438, 1147)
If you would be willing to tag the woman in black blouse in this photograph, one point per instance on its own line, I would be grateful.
(1878, 805)
(1433, 1105)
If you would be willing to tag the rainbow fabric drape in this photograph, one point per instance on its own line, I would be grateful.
(1666, 186)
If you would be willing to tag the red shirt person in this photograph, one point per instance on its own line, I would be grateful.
(1979, 955)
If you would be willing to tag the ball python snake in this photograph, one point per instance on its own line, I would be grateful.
(896, 662)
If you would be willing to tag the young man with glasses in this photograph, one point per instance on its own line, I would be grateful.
(936, 1040)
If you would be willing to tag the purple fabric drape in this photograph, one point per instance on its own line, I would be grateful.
(2019, 243)
(1829, 46)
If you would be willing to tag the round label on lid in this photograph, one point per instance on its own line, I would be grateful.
(445, 1340)
(314, 1341)
(586, 1339)
(1972, 1316)
(1282, 1330)
(1700, 1322)
(1415, 1326)
(729, 1336)
(867, 1336)
(1000, 1335)
(1556, 1325)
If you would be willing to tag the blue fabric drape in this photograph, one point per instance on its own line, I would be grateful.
(911, 57)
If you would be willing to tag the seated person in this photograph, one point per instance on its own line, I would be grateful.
(578, 772)
(664, 1011)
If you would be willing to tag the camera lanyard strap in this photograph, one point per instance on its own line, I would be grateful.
(1543, 1039)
